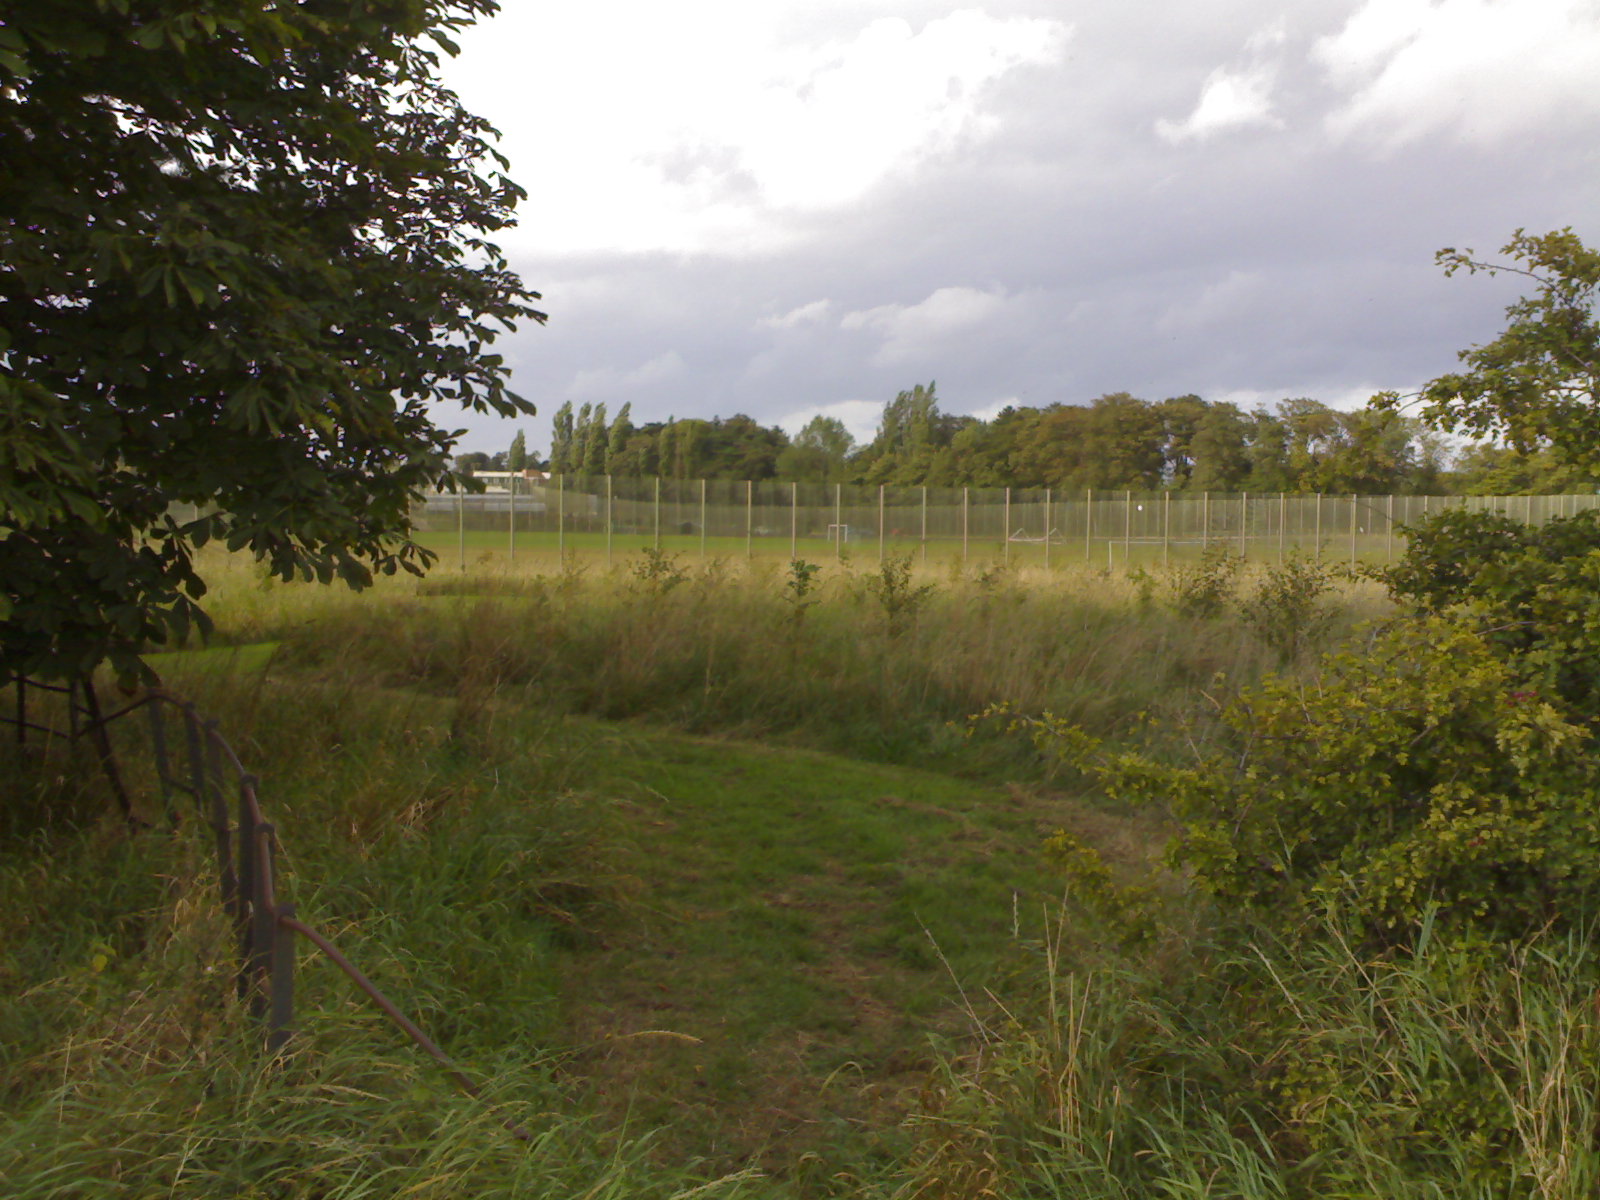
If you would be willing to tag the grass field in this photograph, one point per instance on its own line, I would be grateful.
(701, 869)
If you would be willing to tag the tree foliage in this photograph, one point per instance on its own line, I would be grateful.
(1537, 385)
(245, 248)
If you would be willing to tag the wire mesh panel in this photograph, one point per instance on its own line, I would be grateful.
(1030, 527)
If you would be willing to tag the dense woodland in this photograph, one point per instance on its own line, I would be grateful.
(1116, 441)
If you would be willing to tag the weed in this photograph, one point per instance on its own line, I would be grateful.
(897, 595)
(1204, 589)
(657, 571)
(1288, 608)
(800, 588)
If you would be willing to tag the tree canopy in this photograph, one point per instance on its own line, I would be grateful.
(244, 248)
(1537, 385)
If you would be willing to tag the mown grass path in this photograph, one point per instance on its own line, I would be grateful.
(801, 930)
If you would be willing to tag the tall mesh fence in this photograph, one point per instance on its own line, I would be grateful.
(620, 516)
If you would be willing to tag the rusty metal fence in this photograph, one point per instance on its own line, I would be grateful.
(191, 758)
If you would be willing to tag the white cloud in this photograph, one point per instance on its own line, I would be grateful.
(860, 417)
(912, 331)
(1230, 99)
(1344, 398)
(1483, 70)
(602, 382)
(698, 127)
(805, 314)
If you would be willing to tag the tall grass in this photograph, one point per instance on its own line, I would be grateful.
(451, 873)
(724, 649)
(1247, 1069)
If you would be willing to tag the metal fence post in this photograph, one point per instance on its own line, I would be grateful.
(1167, 527)
(1005, 546)
(1352, 529)
(702, 520)
(794, 521)
(749, 518)
(609, 522)
(658, 513)
(838, 519)
(158, 746)
(511, 521)
(280, 1005)
(1127, 525)
(880, 524)
(924, 524)
(1047, 529)
(964, 492)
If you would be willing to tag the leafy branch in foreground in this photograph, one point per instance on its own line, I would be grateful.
(244, 250)
(1537, 384)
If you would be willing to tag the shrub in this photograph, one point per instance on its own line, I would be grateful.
(1420, 774)
(1531, 590)
(1204, 589)
(1287, 610)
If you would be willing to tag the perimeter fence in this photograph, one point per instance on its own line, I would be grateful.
(1034, 526)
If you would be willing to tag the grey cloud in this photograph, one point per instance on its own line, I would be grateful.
(1279, 260)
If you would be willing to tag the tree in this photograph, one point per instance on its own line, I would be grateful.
(1537, 385)
(517, 456)
(595, 442)
(245, 249)
(562, 435)
(818, 452)
(617, 436)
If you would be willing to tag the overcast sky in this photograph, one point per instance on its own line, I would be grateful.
(784, 208)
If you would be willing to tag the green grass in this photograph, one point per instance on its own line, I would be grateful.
(720, 898)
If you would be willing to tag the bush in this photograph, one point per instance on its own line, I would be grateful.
(1287, 609)
(1420, 774)
(1204, 589)
(1530, 590)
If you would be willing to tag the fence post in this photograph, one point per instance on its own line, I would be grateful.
(248, 893)
(461, 526)
(262, 919)
(1388, 550)
(609, 522)
(561, 517)
(658, 514)
(839, 517)
(1283, 521)
(964, 492)
(1166, 527)
(1352, 529)
(158, 745)
(1127, 525)
(924, 524)
(1047, 530)
(1088, 524)
(702, 520)
(794, 521)
(1244, 525)
(1205, 521)
(280, 1005)
(1005, 546)
(880, 524)
(511, 521)
(749, 517)
(1319, 527)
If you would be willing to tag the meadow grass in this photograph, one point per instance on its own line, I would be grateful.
(703, 873)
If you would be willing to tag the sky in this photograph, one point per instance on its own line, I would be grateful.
(787, 208)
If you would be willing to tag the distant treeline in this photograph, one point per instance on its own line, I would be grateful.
(1116, 441)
